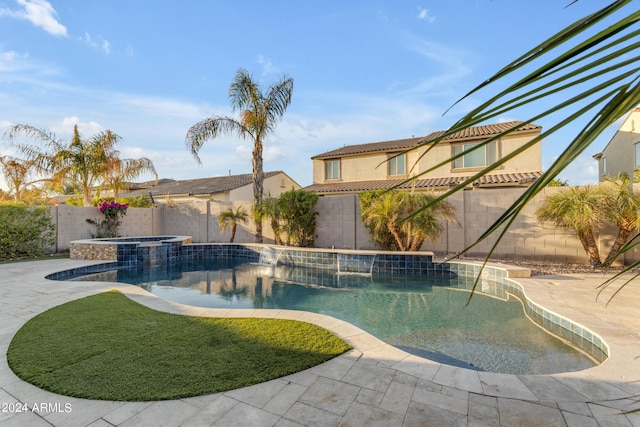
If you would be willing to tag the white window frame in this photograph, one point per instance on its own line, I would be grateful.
(490, 152)
(332, 169)
(395, 162)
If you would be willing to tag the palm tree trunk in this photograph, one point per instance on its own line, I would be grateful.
(258, 181)
(590, 247)
(233, 232)
(621, 239)
(393, 229)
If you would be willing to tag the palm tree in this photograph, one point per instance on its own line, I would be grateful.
(399, 213)
(18, 174)
(578, 209)
(259, 115)
(427, 224)
(231, 217)
(85, 164)
(381, 216)
(621, 207)
(119, 172)
(269, 209)
(84, 161)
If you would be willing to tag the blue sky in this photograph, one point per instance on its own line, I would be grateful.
(364, 71)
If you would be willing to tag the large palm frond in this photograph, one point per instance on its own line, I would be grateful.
(589, 72)
(211, 128)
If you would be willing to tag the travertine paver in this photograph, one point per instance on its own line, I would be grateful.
(373, 384)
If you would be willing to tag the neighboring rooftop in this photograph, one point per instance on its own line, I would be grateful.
(476, 132)
(195, 187)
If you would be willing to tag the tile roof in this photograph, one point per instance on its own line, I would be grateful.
(505, 179)
(201, 186)
(476, 132)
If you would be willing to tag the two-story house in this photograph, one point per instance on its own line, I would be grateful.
(379, 165)
(622, 153)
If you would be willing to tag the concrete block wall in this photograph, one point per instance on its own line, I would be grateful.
(339, 225)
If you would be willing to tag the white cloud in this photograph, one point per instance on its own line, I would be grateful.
(100, 43)
(106, 46)
(86, 129)
(267, 65)
(129, 50)
(40, 13)
(424, 15)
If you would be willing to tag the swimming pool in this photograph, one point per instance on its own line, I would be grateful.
(423, 315)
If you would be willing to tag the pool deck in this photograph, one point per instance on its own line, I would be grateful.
(375, 384)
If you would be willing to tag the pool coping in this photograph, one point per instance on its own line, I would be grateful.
(595, 394)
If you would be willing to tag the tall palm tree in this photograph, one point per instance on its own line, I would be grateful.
(621, 207)
(259, 115)
(577, 209)
(232, 218)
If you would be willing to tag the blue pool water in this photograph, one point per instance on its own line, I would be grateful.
(427, 316)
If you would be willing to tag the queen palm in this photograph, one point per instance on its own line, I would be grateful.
(19, 174)
(85, 163)
(232, 218)
(119, 172)
(259, 115)
(577, 209)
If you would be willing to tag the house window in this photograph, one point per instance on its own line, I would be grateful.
(397, 164)
(637, 154)
(483, 156)
(332, 169)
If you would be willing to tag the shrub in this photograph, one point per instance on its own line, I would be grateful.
(25, 231)
(297, 217)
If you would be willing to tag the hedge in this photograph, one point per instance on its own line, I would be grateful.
(25, 231)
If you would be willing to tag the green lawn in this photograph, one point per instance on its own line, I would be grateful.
(109, 347)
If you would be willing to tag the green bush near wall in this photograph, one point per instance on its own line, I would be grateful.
(25, 231)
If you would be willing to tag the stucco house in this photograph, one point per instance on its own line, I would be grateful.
(356, 168)
(622, 153)
(218, 188)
